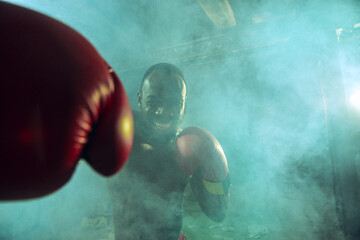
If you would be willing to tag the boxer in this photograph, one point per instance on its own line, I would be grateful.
(147, 194)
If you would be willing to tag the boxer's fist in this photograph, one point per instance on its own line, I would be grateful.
(60, 102)
(200, 155)
(198, 150)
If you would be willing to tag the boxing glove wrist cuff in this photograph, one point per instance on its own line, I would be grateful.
(217, 188)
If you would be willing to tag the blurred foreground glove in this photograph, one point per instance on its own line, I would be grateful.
(60, 102)
(199, 152)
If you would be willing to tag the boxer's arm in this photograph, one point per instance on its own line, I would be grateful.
(213, 197)
(201, 155)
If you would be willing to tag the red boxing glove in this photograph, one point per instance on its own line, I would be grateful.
(60, 102)
(198, 150)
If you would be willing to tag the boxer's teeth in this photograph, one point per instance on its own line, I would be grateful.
(162, 125)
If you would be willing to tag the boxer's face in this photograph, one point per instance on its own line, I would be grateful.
(162, 100)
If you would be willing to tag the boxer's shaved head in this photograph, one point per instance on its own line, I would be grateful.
(165, 68)
(162, 96)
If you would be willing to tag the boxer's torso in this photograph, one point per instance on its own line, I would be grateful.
(157, 186)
